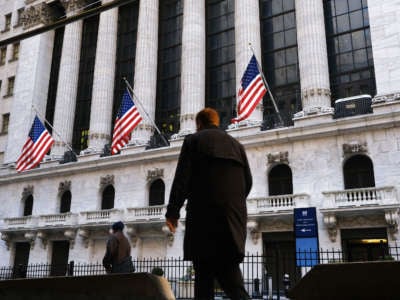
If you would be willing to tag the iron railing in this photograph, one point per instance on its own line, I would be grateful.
(263, 274)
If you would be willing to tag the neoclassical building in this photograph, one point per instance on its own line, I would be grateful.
(333, 67)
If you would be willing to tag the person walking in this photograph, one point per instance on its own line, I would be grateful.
(213, 174)
(117, 258)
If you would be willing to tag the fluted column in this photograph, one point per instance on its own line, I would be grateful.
(103, 80)
(67, 87)
(145, 81)
(247, 31)
(193, 64)
(313, 58)
(31, 82)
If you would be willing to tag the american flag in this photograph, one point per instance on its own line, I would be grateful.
(36, 146)
(127, 119)
(251, 91)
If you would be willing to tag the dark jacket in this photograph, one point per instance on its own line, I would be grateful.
(213, 174)
(118, 254)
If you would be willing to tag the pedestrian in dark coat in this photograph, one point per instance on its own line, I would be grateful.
(117, 258)
(213, 175)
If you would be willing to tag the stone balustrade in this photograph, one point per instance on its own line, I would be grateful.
(276, 203)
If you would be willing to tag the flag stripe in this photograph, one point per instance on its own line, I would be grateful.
(127, 119)
(35, 148)
(251, 91)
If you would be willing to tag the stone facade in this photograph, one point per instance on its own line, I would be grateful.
(315, 148)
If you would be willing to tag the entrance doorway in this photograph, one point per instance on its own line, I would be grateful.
(59, 258)
(365, 244)
(280, 258)
(21, 259)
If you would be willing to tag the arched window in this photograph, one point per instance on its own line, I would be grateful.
(28, 206)
(280, 180)
(108, 198)
(358, 172)
(157, 192)
(65, 204)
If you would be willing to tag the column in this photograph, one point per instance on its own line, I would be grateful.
(31, 81)
(145, 81)
(64, 113)
(313, 59)
(103, 80)
(247, 31)
(193, 64)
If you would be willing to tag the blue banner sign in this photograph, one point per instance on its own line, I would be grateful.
(305, 222)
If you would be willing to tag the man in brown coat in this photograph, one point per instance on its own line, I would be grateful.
(118, 253)
(213, 174)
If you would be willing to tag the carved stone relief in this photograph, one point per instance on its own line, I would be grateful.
(278, 157)
(28, 190)
(37, 14)
(106, 180)
(356, 147)
(154, 174)
(63, 187)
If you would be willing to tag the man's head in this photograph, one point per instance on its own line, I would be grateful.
(117, 226)
(206, 118)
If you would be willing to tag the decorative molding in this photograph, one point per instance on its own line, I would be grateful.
(37, 14)
(330, 222)
(315, 92)
(28, 191)
(386, 98)
(85, 235)
(154, 174)
(30, 236)
(132, 234)
(106, 180)
(315, 110)
(73, 5)
(43, 237)
(97, 136)
(63, 187)
(252, 226)
(392, 220)
(168, 234)
(70, 234)
(278, 157)
(356, 147)
(6, 238)
(187, 117)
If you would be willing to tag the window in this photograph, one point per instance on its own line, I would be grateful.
(10, 87)
(85, 83)
(21, 259)
(65, 204)
(280, 180)
(280, 60)
(220, 59)
(28, 206)
(54, 72)
(157, 193)
(7, 23)
(5, 123)
(169, 66)
(3, 54)
(126, 51)
(358, 172)
(19, 17)
(15, 52)
(107, 201)
(351, 65)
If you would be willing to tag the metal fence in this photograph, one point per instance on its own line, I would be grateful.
(266, 276)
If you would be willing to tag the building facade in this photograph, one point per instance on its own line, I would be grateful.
(333, 67)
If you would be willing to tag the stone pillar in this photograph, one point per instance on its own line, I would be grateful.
(193, 64)
(103, 80)
(64, 113)
(31, 80)
(247, 32)
(145, 81)
(385, 37)
(313, 60)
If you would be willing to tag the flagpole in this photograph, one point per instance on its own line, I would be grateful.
(130, 90)
(55, 131)
(266, 84)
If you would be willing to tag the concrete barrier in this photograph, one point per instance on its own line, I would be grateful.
(137, 286)
(353, 281)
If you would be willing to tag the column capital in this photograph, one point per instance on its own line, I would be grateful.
(72, 5)
(39, 14)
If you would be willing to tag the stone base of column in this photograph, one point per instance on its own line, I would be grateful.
(386, 103)
(313, 116)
